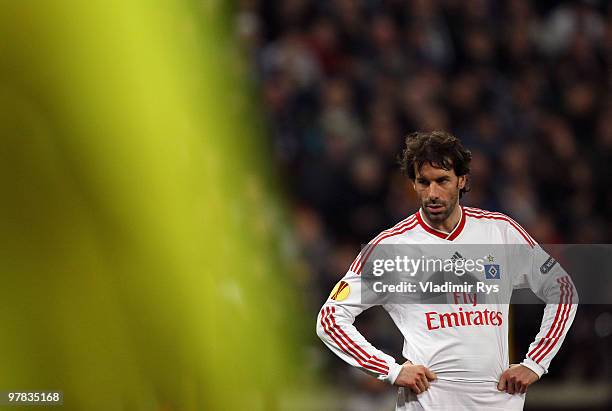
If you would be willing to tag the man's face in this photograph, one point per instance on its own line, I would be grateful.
(438, 191)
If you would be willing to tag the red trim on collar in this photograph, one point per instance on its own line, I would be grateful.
(445, 236)
(455, 233)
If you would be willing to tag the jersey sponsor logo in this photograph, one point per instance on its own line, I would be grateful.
(548, 265)
(486, 317)
(492, 271)
(341, 291)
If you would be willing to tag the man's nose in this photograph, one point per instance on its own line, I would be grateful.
(434, 191)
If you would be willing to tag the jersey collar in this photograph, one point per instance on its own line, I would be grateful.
(441, 234)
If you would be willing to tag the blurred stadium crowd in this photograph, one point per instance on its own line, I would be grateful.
(524, 84)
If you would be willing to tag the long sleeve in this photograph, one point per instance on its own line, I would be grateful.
(335, 327)
(551, 283)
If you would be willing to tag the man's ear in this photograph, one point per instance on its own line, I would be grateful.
(461, 183)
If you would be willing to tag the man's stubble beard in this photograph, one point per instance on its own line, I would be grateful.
(438, 218)
(450, 207)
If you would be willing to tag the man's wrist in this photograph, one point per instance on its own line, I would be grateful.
(534, 366)
(394, 371)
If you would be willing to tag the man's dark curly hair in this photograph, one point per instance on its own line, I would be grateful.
(439, 149)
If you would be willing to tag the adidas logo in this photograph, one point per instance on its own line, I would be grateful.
(457, 256)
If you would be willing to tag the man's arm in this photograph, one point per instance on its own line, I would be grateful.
(551, 283)
(335, 327)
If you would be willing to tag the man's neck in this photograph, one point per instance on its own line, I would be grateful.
(450, 223)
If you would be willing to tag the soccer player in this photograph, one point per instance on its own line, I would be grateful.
(456, 360)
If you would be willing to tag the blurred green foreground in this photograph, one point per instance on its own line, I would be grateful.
(140, 236)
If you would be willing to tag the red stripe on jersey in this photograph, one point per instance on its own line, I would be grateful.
(502, 217)
(510, 220)
(367, 250)
(329, 329)
(562, 328)
(459, 228)
(382, 363)
(407, 227)
(560, 309)
(342, 346)
(376, 239)
(353, 353)
(398, 225)
(555, 336)
(550, 343)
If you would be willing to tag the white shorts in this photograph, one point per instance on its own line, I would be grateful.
(459, 396)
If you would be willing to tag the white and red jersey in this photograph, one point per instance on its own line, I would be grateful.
(470, 352)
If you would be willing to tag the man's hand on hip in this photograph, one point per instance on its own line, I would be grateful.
(415, 377)
(516, 379)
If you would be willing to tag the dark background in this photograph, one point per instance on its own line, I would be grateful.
(524, 84)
